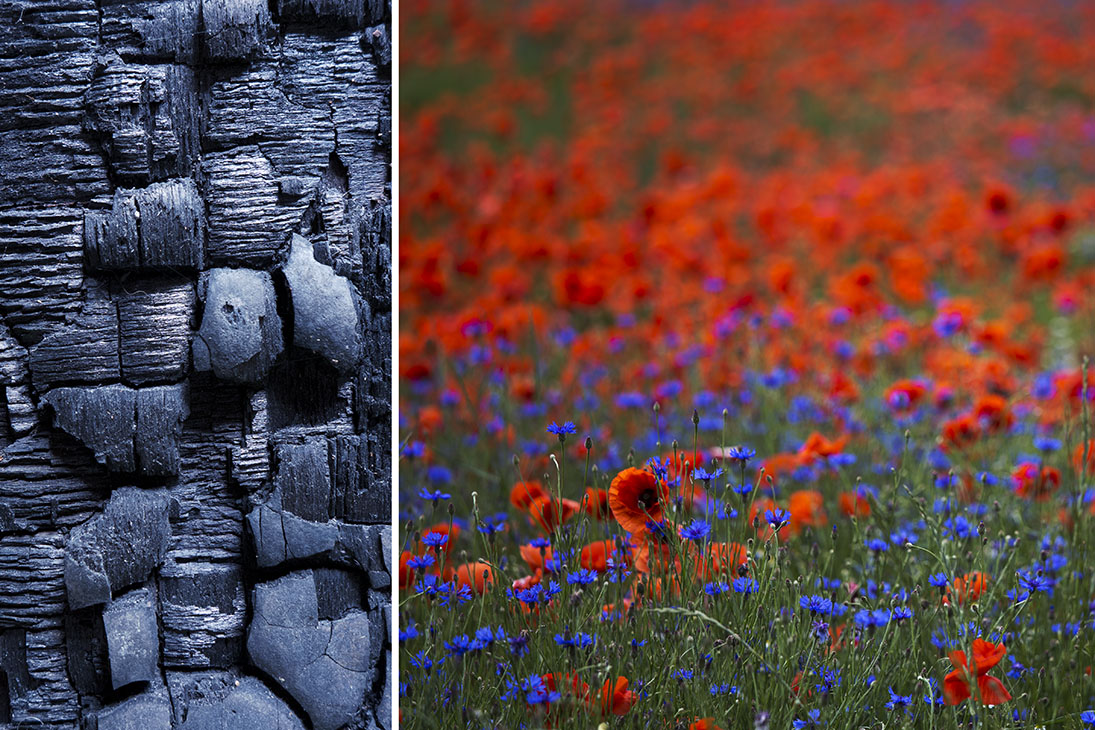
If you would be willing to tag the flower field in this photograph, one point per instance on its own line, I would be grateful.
(742, 365)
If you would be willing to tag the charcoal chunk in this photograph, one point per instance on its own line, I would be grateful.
(128, 430)
(303, 479)
(360, 488)
(154, 228)
(204, 615)
(132, 638)
(85, 351)
(333, 13)
(240, 334)
(235, 30)
(117, 548)
(154, 320)
(222, 701)
(148, 711)
(145, 118)
(329, 677)
(161, 411)
(325, 307)
(104, 418)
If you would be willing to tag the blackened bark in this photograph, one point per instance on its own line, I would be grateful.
(195, 318)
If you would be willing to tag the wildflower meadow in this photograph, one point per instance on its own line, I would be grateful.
(743, 365)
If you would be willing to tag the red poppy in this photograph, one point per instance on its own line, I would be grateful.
(722, 557)
(853, 505)
(615, 698)
(476, 576)
(635, 497)
(536, 557)
(957, 685)
(550, 513)
(1034, 483)
(595, 555)
(807, 508)
(596, 504)
(967, 588)
(524, 494)
(706, 723)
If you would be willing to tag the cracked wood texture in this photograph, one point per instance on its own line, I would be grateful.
(195, 368)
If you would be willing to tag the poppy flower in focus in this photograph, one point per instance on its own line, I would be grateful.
(635, 497)
(957, 684)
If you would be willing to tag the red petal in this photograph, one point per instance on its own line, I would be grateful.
(992, 691)
(958, 659)
(987, 655)
(955, 689)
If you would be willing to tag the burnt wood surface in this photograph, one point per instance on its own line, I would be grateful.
(195, 367)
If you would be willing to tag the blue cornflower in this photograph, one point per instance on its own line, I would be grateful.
(839, 460)
(939, 580)
(935, 695)
(439, 474)
(435, 540)
(1046, 444)
(777, 518)
(411, 632)
(578, 641)
(1034, 583)
(745, 585)
(1017, 670)
(518, 645)
(492, 524)
(420, 562)
(540, 542)
(530, 596)
(869, 619)
(901, 613)
(534, 689)
(742, 489)
(898, 701)
(903, 536)
(813, 719)
(459, 645)
(657, 529)
(715, 589)
(1087, 717)
(706, 476)
(414, 449)
(741, 453)
(876, 545)
(581, 577)
(816, 604)
(562, 431)
(435, 496)
(422, 661)
(698, 530)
